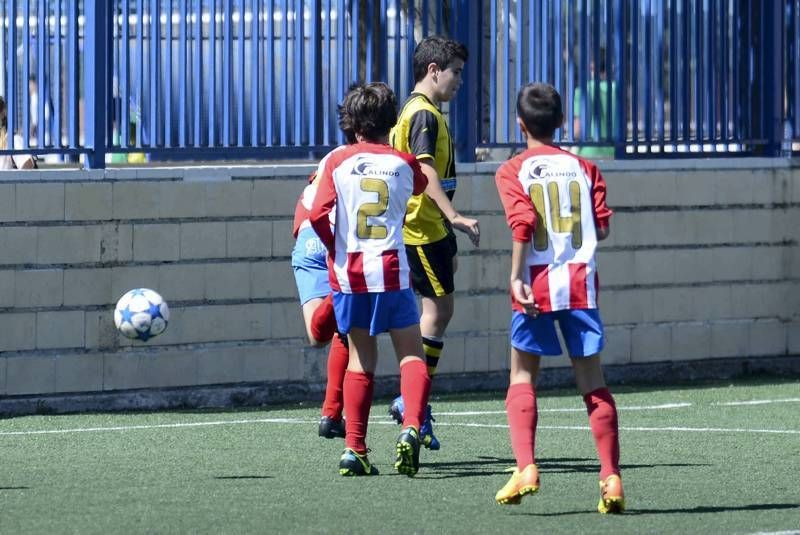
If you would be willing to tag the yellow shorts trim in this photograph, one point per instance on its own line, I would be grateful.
(435, 284)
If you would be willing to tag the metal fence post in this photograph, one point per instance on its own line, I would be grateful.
(11, 74)
(466, 108)
(621, 121)
(772, 77)
(95, 59)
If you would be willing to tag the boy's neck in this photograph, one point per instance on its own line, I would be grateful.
(425, 87)
(534, 143)
(379, 141)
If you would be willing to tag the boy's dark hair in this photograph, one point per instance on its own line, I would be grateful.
(346, 121)
(539, 108)
(369, 110)
(438, 50)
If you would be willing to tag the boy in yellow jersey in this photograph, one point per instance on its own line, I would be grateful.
(428, 232)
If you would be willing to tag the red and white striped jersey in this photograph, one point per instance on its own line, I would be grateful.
(556, 201)
(306, 199)
(369, 184)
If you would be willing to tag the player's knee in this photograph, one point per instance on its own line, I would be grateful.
(313, 342)
(445, 308)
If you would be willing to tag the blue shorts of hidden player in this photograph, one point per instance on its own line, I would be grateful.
(582, 331)
(376, 312)
(309, 263)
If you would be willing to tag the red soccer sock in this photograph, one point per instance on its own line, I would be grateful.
(323, 320)
(415, 387)
(338, 357)
(357, 402)
(603, 421)
(522, 417)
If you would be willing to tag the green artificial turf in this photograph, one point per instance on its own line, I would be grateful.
(697, 466)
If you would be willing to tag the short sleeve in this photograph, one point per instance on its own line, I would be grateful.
(602, 213)
(423, 131)
(518, 207)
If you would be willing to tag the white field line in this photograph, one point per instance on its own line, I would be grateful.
(157, 426)
(384, 422)
(277, 421)
(582, 409)
(644, 429)
(756, 402)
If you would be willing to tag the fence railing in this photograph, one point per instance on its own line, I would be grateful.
(205, 79)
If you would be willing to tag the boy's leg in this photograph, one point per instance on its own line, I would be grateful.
(521, 407)
(436, 315)
(415, 383)
(320, 320)
(605, 429)
(602, 411)
(584, 336)
(309, 265)
(415, 387)
(331, 425)
(530, 339)
(432, 274)
(358, 386)
(522, 413)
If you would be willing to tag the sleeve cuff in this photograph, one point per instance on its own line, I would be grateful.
(522, 233)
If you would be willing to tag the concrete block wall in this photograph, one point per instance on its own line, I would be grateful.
(703, 262)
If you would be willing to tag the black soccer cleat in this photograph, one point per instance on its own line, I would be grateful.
(354, 464)
(407, 452)
(330, 428)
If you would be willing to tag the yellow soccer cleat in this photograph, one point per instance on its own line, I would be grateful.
(520, 484)
(612, 498)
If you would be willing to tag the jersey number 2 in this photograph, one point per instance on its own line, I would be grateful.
(372, 209)
(556, 222)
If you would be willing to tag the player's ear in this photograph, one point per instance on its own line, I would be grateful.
(433, 70)
(522, 128)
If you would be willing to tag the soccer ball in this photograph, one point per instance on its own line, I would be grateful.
(141, 314)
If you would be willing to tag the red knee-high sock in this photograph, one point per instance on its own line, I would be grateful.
(415, 386)
(338, 357)
(603, 421)
(522, 417)
(323, 320)
(357, 401)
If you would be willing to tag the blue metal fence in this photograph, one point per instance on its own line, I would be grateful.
(203, 79)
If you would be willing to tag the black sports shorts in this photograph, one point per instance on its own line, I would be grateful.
(432, 266)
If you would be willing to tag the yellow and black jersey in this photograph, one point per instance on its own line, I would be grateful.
(421, 130)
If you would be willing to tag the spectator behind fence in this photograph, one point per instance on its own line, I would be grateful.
(598, 127)
(7, 161)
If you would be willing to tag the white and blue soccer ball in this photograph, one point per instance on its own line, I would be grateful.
(141, 314)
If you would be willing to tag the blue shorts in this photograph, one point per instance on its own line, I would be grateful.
(582, 331)
(309, 262)
(378, 312)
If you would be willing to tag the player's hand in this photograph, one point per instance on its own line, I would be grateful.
(468, 226)
(524, 296)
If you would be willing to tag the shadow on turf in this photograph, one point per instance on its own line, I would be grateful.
(243, 477)
(555, 465)
(14, 488)
(702, 509)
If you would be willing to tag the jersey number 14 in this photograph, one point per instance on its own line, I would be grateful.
(556, 222)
